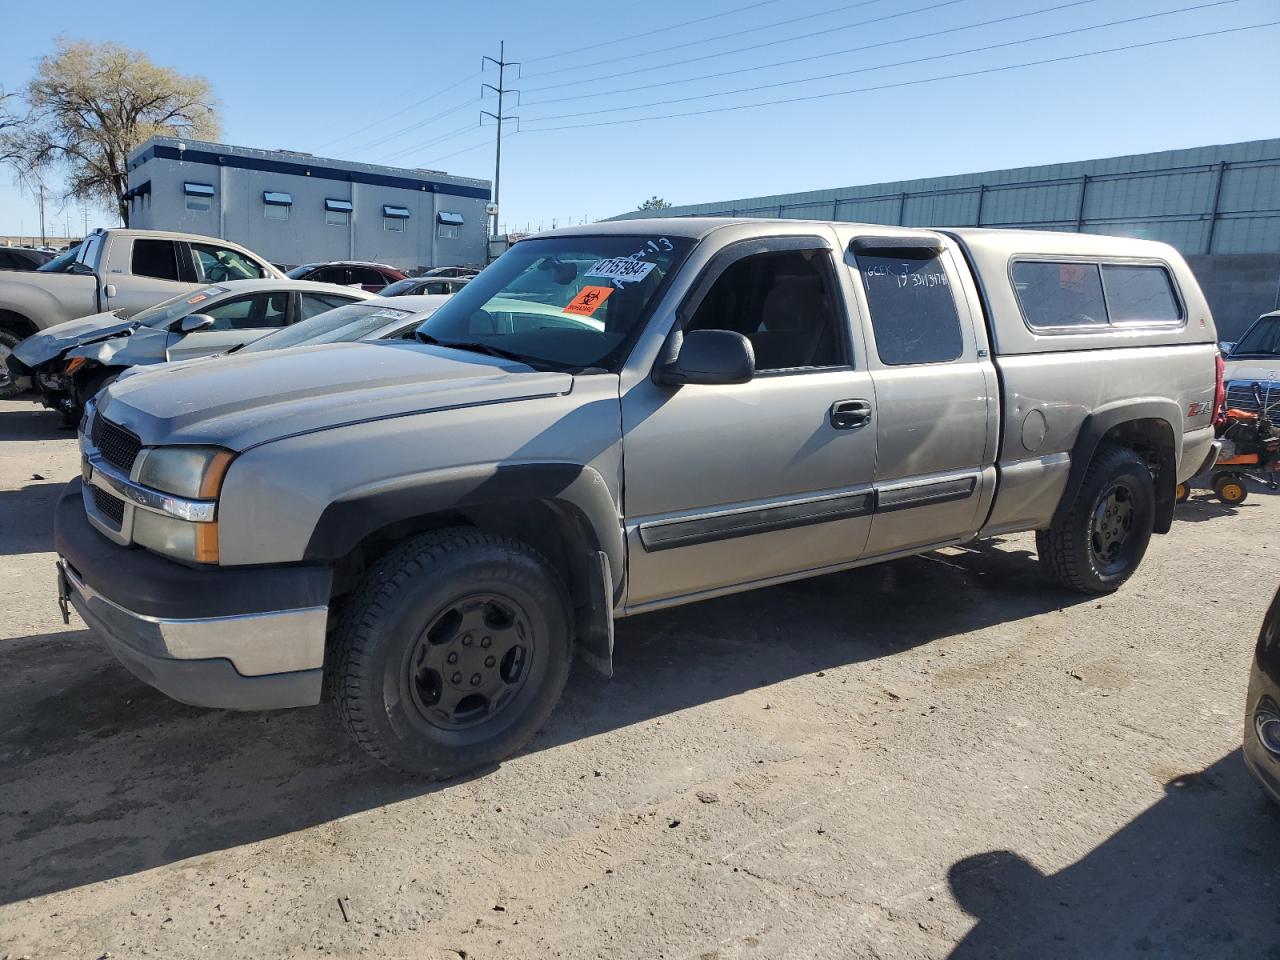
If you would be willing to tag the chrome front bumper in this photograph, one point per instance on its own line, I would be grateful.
(256, 661)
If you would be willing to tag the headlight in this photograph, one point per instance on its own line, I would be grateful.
(192, 472)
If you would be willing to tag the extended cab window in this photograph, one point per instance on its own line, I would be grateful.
(913, 309)
(783, 303)
(155, 258)
(1074, 294)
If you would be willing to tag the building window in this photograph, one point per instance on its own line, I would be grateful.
(393, 218)
(199, 196)
(275, 206)
(337, 213)
(449, 225)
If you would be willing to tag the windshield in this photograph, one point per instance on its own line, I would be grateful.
(62, 262)
(339, 325)
(162, 315)
(297, 273)
(562, 303)
(1261, 340)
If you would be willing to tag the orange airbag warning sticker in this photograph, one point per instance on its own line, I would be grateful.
(588, 300)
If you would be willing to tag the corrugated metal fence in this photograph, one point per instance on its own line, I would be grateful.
(1220, 200)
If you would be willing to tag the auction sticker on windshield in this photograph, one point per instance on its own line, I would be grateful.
(588, 301)
(622, 269)
(206, 293)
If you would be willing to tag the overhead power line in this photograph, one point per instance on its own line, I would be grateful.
(414, 126)
(886, 66)
(667, 48)
(392, 116)
(795, 60)
(909, 83)
(429, 143)
(650, 33)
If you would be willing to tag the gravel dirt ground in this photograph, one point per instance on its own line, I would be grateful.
(936, 757)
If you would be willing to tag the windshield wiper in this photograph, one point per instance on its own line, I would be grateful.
(474, 346)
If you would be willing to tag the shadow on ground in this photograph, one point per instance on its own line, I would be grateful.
(26, 517)
(106, 777)
(1197, 875)
(34, 424)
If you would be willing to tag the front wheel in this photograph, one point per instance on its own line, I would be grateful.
(1101, 540)
(452, 652)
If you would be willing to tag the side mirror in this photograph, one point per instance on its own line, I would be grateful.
(707, 357)
(1226, 347)
(194, 321)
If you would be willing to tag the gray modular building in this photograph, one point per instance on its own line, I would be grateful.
(1219, 205)
(295, 208)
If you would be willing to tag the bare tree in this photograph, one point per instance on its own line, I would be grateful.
(11, 126)
(92, 104)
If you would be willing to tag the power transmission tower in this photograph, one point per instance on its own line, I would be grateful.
(501, 90)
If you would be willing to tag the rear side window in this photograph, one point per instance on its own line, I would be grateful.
(913, 309)
(1073, 294)
(155, 258)
(1139, 294)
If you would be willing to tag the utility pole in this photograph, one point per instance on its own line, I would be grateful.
(501, 90)
(44, 242)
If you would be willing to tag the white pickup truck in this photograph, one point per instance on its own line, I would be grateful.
(120, 271)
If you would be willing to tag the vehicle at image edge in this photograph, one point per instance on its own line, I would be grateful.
(23, 258)
(115, 271)
(371, 277)
(69, 362)
(441, 523)
(1255, 358)
(413, 286)
(1262, 708)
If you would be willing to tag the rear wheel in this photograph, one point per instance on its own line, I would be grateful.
(1183, 493)
(8, 341)
(1098, 545)
(452, 653)
(1230, 488)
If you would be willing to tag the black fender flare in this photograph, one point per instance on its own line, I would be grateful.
(1105, 419)
(353, 517)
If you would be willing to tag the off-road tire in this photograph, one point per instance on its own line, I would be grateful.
(383, 626)
(1066, 548)
(7, 387)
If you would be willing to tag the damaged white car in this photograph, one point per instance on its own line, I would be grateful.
(70, 362)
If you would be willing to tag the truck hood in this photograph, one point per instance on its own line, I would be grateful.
(242, 401)
(49, 343)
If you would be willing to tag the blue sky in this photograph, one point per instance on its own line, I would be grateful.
(399, 82)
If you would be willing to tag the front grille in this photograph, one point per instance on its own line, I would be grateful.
(117, 445)
(111, 507)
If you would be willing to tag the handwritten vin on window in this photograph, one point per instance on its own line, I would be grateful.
(906, 279)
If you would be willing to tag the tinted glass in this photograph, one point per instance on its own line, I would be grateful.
(250, 313)
(1139, 294)
(164, 313)
(1060, 294)
(1261, 340)
(341, 325)
(155, 258)
(401, 287)
(317, 303)
(297, 273)
(782, 303)
(7, 262)
(564, 302)
(367, 276)
(913, 309)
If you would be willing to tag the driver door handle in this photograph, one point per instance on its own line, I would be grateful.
(850, 414)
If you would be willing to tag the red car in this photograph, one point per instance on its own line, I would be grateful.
(349, 273)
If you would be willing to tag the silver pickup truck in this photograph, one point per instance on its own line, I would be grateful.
(117, 271)
(617, 418)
